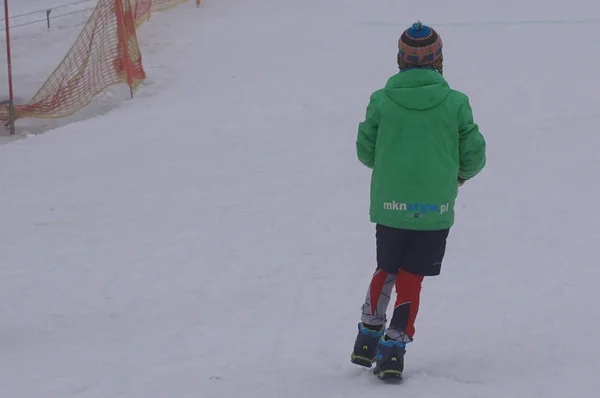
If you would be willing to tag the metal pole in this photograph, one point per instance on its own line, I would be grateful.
(11, 103)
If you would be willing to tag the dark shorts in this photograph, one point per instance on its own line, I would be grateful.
(417, 252)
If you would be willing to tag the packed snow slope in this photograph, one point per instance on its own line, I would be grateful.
(210, 238)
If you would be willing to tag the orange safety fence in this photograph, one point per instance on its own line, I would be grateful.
(105, 53)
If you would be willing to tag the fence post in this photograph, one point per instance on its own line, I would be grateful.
(124, 40)
(11, 103)
(48, 11)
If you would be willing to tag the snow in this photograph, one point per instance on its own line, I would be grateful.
(210, 238)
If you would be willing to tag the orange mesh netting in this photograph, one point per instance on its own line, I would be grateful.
(105, 53)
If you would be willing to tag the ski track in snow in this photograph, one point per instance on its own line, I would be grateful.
(210, 238)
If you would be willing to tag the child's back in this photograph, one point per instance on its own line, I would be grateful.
(419, 137)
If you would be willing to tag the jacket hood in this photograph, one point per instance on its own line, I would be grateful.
(417, 88)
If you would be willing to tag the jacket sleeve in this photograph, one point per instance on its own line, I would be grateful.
(472, 145)
(367, 134)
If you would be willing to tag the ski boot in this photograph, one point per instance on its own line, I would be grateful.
(390, 359)
(365, 346)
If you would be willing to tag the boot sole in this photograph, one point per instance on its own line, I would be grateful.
(361, 361)
(389, 375)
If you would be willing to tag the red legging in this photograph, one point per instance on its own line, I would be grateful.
(408, 290)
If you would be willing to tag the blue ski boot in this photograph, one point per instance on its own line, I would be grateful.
(390, 359)
(365, 346)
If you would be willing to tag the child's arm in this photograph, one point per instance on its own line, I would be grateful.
(367, 135)
(471, 145)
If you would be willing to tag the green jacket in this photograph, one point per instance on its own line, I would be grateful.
(419, 138)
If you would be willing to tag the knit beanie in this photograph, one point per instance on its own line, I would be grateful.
(420, 46)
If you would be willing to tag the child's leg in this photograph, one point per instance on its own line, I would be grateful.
(408, 290)
(378, 299)
(390, 244)
(423, 255)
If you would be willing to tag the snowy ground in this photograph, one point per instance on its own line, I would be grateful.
(211, 238)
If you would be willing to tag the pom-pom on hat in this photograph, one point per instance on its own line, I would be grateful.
(419, 45)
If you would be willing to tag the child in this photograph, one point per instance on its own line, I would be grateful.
(420, 139)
